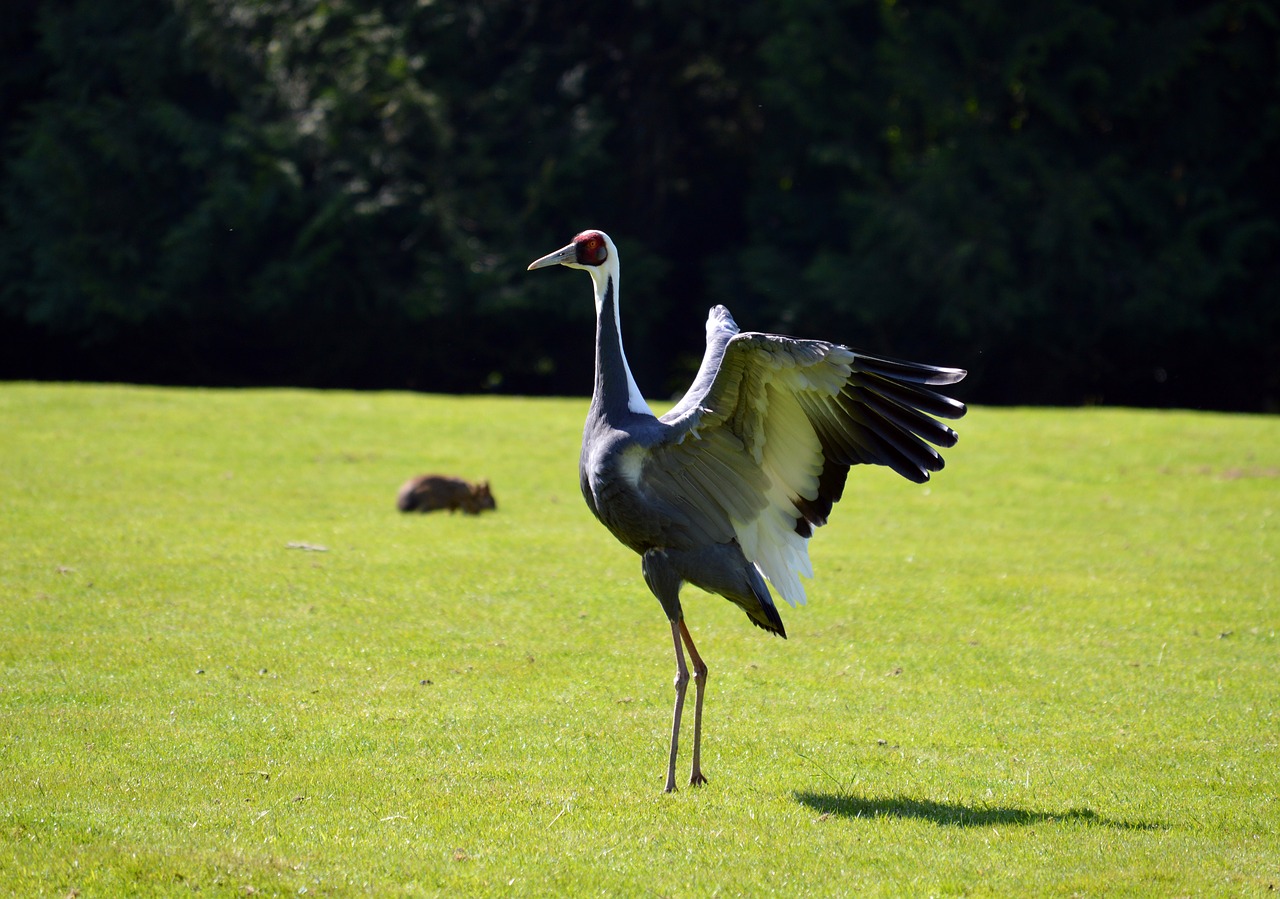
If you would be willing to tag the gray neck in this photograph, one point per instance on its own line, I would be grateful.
(616, 394)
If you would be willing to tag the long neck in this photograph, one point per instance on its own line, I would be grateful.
(615, 389)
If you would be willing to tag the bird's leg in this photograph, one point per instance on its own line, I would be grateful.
(700, 683)
(682, 683)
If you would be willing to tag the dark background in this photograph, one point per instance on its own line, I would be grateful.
(1077, 201)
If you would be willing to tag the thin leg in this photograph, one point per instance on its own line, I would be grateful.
(700, 682)
(682, 683)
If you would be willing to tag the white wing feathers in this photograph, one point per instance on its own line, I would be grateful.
(758, 449)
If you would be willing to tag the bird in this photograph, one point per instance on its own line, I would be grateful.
(724, 490)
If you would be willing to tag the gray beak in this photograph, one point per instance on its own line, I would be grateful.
(559, 257)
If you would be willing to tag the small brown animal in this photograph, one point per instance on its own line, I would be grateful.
(429, 492)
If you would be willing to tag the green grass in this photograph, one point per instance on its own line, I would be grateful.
(1054, 670)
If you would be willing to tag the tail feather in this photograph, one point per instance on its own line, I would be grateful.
(763, 614)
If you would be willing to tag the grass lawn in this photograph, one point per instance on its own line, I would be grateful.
(229, 667)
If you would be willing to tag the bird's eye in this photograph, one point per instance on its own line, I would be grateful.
(592, 249)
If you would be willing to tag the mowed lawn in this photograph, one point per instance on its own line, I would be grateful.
(228, 666)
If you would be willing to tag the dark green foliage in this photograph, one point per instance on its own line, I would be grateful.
(1078, 197)
(1075, 201)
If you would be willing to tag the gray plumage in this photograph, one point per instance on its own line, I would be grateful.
(725, 489)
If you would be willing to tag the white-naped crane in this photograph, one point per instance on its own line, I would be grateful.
(724, 490)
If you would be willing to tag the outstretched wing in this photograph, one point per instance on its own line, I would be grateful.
(763, 441)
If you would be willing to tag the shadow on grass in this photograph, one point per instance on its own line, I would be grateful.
(953, 814)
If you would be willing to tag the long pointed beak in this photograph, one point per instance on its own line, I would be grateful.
(559, 257)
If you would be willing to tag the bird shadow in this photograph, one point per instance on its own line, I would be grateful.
(954, 814)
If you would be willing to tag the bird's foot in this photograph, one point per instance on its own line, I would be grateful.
(696, 779)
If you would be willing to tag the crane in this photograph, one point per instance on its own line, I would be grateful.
(724, 490)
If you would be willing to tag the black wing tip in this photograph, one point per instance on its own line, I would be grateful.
(917, 471)
(948, 438)
(902, 369)
(956, 409)
(943, 376)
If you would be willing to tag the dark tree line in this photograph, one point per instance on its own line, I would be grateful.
(1078, 201)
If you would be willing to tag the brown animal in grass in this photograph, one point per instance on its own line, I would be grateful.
(429, 492)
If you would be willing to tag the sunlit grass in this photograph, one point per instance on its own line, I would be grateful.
(1051, 671)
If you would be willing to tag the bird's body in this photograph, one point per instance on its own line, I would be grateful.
(724, 490)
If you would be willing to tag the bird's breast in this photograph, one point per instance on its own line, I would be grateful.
(611, 469)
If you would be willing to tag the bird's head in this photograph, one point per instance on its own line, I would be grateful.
(589, 250)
